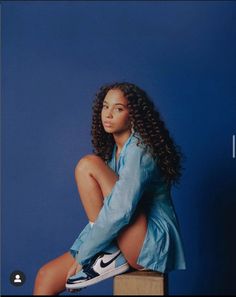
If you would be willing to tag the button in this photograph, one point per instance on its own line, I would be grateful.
(17, 278)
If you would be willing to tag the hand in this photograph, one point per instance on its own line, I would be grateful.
(75, 268)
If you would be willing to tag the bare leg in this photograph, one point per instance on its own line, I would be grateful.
(130, 240)
(51, 277)
(95, 181)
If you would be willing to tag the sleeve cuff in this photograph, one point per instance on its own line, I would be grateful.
(79, 240)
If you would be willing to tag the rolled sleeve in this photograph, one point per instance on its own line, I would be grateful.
(121, 203)
(79, 240)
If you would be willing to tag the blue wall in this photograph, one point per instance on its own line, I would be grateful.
(55, 55)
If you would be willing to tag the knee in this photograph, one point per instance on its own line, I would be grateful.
(84, 164)
(43, 277)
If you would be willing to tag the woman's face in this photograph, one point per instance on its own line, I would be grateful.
(115, 113)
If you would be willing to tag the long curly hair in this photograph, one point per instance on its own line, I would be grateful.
(147, 122)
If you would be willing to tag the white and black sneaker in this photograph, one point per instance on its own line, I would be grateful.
(104, 265)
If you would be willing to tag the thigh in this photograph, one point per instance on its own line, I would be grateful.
(52, 276)
(100, 171)
(131, 238)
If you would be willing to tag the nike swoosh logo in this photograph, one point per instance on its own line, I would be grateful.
(103, 265)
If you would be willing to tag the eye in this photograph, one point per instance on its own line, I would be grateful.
(119, 109)
(104, 106)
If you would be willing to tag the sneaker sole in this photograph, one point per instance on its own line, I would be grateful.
(121, 269)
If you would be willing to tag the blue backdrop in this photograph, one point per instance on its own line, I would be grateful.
(55, 55)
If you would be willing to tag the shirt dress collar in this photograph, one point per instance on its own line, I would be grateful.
(115, 164)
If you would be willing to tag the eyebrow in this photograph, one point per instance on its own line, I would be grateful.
(115, 103)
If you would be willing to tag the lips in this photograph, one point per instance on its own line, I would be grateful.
(107, 124)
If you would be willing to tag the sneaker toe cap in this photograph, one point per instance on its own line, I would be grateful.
(81, 276)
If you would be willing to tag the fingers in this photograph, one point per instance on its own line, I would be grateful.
(70, 273)
(72, 270)
(78, 268)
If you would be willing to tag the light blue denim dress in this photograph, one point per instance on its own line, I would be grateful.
(140, 184)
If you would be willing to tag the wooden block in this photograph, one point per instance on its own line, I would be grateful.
(140, 283)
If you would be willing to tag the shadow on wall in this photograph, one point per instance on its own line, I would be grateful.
(218, 232)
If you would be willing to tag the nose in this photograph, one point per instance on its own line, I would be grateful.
(108, 114)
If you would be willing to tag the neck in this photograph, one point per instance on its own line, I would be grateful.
(120, 139)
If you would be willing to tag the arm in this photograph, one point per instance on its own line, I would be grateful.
(120, 204)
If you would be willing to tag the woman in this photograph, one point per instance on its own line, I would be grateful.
(125, 189)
